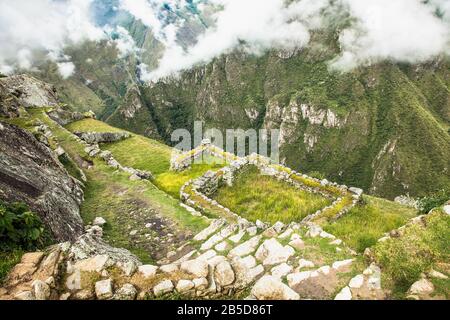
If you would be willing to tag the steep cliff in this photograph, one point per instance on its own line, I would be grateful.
(30, 173)
(383, 128)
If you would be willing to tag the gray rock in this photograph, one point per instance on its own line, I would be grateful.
(163, 287)
(185, 286)
(99, 221)
(224, 274)
(198, 268)
(41, 290)
(421, 287)
(271, 288)
(345, 294)
(126, 292)
(30, 173)
(104, 289)
(148, 271)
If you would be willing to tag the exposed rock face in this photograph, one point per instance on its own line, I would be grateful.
(29, 173)
(102, 137)
(64, 117)
(29, 91)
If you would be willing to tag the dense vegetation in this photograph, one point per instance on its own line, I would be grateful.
(418, 250)
(20, 230)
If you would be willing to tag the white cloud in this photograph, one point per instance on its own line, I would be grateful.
(400, 30)
(66, 69)
(27, 27)
(261, 24)
(125, 43)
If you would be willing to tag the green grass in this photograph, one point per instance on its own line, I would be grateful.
(418, 250)
(171, 182)
(363, 225)
(255, 196)
(110, 194)
(7, 261)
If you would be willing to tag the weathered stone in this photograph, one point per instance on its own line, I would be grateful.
(279, 226)
(25, 295)
(326, 235)
(163, 287)
(65, 296)
(272, 252)
(447, 209)
(224, 274)
(169, 268)
(296, 278)
(213, 227)
(271, 288)
(237, 237)
(421, 287)
(85, 294)
(198, 268)
(126, 292)
(184, 286)
(104, 289)
(73, 282)
(200, 283)
(246, 247)
(148, 271)
(96, 263)
(99, 221)
(211, 242)
(207, 255)
(297, 244)
(281, 270)
(356, 191)
(356, 282)
(325, 270)
(345, 294)
(31, 174)
(336, 242)
(341, 266)
(437, 275)
(305, 264)
(223, 246)
(127, 267)
(33, 258)
(286, 234)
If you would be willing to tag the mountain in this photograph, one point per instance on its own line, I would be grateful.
(384, 128)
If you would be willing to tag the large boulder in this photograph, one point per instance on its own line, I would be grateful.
(30, 173)
(29, 91)
(271, 288)
(271, 252)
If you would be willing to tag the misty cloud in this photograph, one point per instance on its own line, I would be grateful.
(396, 30)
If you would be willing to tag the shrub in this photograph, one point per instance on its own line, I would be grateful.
(435, 200)
(19, 227)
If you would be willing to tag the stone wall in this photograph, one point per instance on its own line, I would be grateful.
(196, 193)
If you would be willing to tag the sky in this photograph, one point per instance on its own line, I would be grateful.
(396, 30)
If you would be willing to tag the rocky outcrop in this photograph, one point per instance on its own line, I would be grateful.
(29, 91)
(30, 173)
(102, 137)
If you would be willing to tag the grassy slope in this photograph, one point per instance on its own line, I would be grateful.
(364, 225)
(254, 196)
(109, 193)
(417, 251)
(146, 154)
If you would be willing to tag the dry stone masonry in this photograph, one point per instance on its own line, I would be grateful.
(196, 193)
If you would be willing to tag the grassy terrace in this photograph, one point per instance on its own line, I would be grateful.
(363, 225)
(255, 196)
(146, 154)
(110, 194)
